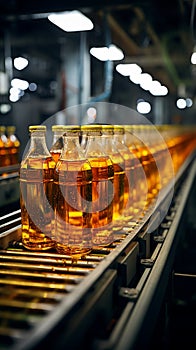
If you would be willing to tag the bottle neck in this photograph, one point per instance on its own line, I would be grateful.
(71, 148)
(94, 145)
(57, 135)
(38, 146)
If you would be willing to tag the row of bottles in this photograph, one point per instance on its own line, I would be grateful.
(93, 181)
(9, 146)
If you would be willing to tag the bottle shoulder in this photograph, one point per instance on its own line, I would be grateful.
(37, 162)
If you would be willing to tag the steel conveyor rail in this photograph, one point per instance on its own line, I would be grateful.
(103, 301)
(137, 330)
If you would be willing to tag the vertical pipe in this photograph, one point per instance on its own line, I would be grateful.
(81, 66)
(8, 56)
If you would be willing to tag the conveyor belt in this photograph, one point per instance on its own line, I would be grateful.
(102, 301)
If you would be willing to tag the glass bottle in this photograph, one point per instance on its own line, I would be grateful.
(36, 185)
(102, 186)
(57, 141)
(4, 157)
(12, 145)
(73, 197)
(145, 136)
(140, 185)
(119, 174)
(128, 213)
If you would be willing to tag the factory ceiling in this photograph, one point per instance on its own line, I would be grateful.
(158, 35)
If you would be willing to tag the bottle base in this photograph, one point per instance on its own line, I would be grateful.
(74, 252)
(38, 245)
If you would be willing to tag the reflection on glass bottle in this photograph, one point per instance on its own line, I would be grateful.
(73, 198)
(102, 186)
(128, 205)
(119, 174)
(57, 142)
(140, 186)
(36, 184)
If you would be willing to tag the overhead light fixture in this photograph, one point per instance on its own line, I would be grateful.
(4, 84)
(5, 108)
(128, 69)
(189, 102)
(143, 107)
(19, 84)
(20, 63)
(193, 56)
(145, 81)
(181, 103)
(111, 53)
(71, 21)
(156, 89)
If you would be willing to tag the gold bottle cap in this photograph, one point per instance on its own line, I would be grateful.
(71, 129)
(11, 128)
(2, 128)
(91, 128)
(33, 128)
(119, 129)
(107, 129)
(58, 127)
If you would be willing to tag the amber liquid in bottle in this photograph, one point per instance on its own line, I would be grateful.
(118, 203)
(36, 183)
(151, 171)
(127, 212)
(12, 145)
(4, 155)
(56, 150)
(128, 188)
(73, 212)
(102, 200)
(55, 155)
(139, 183)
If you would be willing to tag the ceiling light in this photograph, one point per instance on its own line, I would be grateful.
(181, 103)
(71, 21)
(193, 56)
(143, 107)
(32, 86)
(19, 84)
(111, 53)
(145, 81)
(155, 85)
(5, 108)
(127, 69)
(135, 77)
(20, 63)
(4, 85)
(189, 102)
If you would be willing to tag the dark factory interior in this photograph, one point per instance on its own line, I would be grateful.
(84, 264)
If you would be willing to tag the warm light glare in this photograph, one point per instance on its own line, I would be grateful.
(71, 21)
(113, 53)
(20, 63)
(128, 69)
